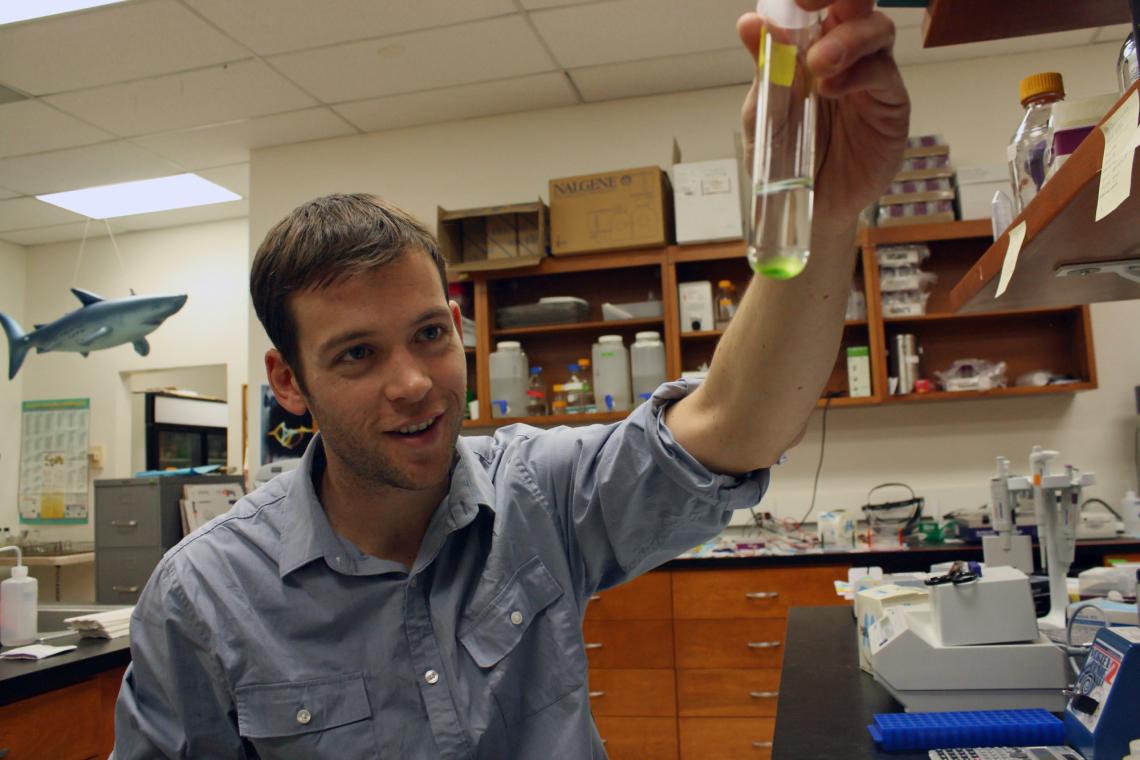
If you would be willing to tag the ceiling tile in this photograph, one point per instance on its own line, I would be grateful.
(233, 178)
(30, 126)
(480, 51)
(659, 75)
(110, 44)
(198, 214)
(59, 233)
(191, 99)
(23, 213)
(231, 143)
(277, 26)
(1115, 33)
(630, 30)
(453, 103)
(909, 50)
(75, 168)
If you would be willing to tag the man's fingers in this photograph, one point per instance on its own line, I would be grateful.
(848, 43)
(844, 9)
(748, 27)
(876, 74)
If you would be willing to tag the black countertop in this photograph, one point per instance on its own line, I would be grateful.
(20, 679)
(826, 702)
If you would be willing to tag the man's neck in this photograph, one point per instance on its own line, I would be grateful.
(380, 520)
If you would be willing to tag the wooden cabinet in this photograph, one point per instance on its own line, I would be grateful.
(706, 738)
(73, 723)
(639, 738)
(727, 693)
(649, 597)
(752, 593)
(636, 693)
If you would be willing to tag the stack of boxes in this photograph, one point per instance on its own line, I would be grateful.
(923, 190)
(903, 284)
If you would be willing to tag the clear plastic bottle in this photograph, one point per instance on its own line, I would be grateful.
(573, 388)
(1031, 149)
(725, 303)
(783, 164)
(1127, 67)
(589, 405)
(647, 365)
(536, 394)
(611, 374)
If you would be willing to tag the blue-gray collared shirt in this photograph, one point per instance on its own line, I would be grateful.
(265, 634)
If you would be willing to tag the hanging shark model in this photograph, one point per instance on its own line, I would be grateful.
(98, 324)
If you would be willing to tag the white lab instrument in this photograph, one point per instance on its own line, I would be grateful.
(997, 608)
(1005, 753)
(1008, 547)
(871, 605)
(1101, 581)
(696, 306)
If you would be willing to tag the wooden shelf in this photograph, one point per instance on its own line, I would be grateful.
(604, 325)
(952, 22)
(1047, 390)
(1060, 231)
(550, 420)
(705, 334)
(945, 316)
(924, 233)
(848, 401)
(733, 249)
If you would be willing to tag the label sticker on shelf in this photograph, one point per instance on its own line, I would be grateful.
(1120, 136)
(1012, 251)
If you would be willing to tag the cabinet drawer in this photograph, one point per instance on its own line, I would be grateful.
(73, 714)
(649, 597)
(729, 644)
(748, 693)
(639, 738)
(629, 643)
(120, 574)
(128, 516)
(642, 693)
(763, 593)
(708, 738)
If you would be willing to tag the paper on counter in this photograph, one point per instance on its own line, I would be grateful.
(34, 652)
(1120, 136)
(1012, 251)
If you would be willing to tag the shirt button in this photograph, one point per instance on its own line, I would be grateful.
(304, 716)
(414, 582)
(431, 677)
(516, 617)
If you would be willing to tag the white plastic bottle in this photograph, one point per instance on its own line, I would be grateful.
(783, 163)
(1130, 514)
(509, 380)
(18, 606)
(647, 362)
(611, 375)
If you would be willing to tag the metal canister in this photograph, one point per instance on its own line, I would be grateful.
(904, 362)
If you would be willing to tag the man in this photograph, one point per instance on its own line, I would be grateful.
(410, 594)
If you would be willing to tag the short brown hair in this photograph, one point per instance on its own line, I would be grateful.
(324, 241)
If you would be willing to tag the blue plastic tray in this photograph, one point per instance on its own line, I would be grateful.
(897, 732)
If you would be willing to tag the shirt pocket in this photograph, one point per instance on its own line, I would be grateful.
(303, 719)
(525, 644)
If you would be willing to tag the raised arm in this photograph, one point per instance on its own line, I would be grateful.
(774, 359)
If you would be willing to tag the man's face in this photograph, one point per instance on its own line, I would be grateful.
(381, 358)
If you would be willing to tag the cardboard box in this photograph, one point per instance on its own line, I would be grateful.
(858, 371)
(976, 188)
(696, 305)
(707, 201)
(630, 208)
(494, 237)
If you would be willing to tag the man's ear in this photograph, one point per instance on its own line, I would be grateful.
(284, 382)
(457, 318)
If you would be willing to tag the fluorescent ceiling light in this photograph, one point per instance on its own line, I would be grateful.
(12, 11)
(141, 197)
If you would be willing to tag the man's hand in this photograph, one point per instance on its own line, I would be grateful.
(864, 111)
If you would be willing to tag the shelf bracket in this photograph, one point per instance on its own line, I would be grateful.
(1129, 269)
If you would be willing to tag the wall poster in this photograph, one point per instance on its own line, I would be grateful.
(53, 462)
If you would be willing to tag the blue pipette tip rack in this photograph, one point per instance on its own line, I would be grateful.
(898, 732)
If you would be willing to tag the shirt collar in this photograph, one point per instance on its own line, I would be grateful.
(308, 535)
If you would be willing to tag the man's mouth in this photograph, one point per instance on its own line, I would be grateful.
(417, 428)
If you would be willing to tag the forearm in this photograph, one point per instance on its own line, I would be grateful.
(772, 363)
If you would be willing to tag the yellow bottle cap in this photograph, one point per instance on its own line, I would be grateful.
(724, 284)
(1045, 83)
(583, 363)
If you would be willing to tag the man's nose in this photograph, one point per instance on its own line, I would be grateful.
(408, 379)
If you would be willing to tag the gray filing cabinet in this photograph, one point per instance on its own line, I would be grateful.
(136, 521)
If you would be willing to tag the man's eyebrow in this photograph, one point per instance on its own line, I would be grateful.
(342, 338)
(436, 312)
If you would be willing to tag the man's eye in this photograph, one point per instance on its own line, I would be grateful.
(356, 353)
(433, 333)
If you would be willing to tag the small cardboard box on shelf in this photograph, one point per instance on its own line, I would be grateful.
(610, 211)
(494, 237)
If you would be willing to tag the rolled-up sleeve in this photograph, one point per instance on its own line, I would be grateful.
(628, 495)
(173, 702)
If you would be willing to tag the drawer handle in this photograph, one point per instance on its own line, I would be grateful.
(761, 745)
(761, 594)
(593, 646)
(763, 644)
(764, 694)
(603, 742)
(595, 597)
(125, 589)
(597, 694)
(124, 523)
